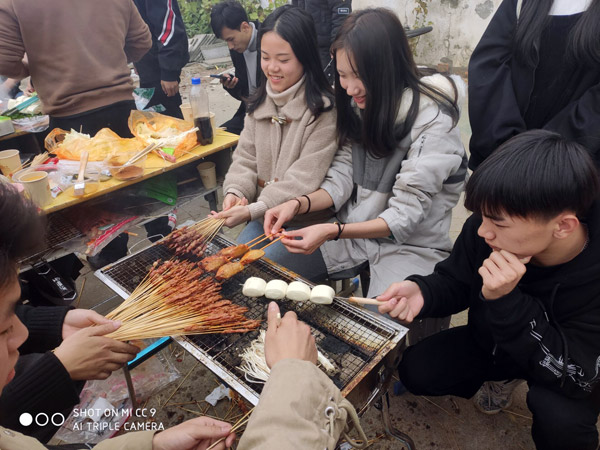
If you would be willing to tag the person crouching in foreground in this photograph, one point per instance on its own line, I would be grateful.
(284, 416)
(526, 266)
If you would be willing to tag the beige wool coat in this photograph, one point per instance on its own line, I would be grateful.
(296, 154)
(291, 414)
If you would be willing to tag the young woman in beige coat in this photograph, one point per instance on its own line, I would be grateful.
(289, 137)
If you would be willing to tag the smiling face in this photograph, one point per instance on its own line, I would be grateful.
(12, 331)
(279, 63)
(349, 79)
(237, 40)
(519, 236)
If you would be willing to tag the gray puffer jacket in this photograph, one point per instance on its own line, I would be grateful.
(414, 190)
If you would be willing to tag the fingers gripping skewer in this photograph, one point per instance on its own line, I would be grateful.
(272, 242)
(365, 301)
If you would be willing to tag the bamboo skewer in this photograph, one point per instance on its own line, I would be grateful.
(365, 301)
(256, 238)
(239, 424)
(272, 242)
(258, 242)
(172, 300)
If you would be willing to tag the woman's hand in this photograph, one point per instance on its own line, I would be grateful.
(231, 200)
(311, 238)
(194, 434)
(233, 216)
(277, 216)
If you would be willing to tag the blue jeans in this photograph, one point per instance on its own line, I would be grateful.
(311, 267)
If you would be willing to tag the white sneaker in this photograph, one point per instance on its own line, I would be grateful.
(494, 396)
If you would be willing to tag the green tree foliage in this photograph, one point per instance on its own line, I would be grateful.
(196, 13)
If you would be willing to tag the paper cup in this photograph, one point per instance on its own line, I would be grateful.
(37, 187)
(10, 161)
(208, 174)
(186, 110)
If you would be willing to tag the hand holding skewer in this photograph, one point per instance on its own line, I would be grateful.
(89, 355)
(235, 211)
(200, 433)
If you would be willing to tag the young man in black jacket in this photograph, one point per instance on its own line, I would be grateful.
(161, 67)
(526, 266)
(229, 22)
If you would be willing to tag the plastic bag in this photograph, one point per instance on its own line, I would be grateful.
(99, 226)
(142, 97)
(105, 406)
(34, 124)
(70, 144)
(150, 126)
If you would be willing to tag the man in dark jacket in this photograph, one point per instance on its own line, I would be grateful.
(229, 22)
(161, 67)
(328, 16)
(526, 267)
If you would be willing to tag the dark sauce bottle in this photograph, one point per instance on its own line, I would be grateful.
(201, 112)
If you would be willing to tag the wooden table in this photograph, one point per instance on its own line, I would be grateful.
(155, 165)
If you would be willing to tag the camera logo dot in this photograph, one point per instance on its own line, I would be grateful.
(25, 419)
(42, 419)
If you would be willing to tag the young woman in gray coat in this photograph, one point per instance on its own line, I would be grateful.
(401, 168)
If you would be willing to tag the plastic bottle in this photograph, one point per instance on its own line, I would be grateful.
(201, 112)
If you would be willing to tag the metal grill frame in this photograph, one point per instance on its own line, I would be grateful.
(340, 320)
(59, 232)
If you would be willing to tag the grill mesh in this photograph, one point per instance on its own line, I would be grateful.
(347, 335)
(59, 231)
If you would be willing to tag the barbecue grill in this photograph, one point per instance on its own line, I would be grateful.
(59, 232)
(364, 347)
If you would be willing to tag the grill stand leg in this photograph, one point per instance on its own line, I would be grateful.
(383, 404)
(130, 388)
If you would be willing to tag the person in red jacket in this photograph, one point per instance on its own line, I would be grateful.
(160, 68)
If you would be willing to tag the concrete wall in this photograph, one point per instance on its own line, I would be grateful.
(457, 26)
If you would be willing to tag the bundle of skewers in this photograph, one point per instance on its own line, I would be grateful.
(193, 239)
(173, 300)
(222, 262)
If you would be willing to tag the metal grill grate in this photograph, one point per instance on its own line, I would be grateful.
(347, 335)
(59, 231)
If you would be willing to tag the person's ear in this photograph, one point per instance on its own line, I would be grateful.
(245, 27)
(565, 225)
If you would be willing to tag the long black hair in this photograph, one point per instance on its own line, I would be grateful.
(584, 39)
(383, 61)
(536, 174)
(296, 27)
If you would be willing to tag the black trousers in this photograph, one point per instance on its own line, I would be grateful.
(113, 116)
(452, 363)
(235, 125)
(171, 104)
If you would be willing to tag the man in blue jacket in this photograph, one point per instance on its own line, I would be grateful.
(526, 266)
(161, 67)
